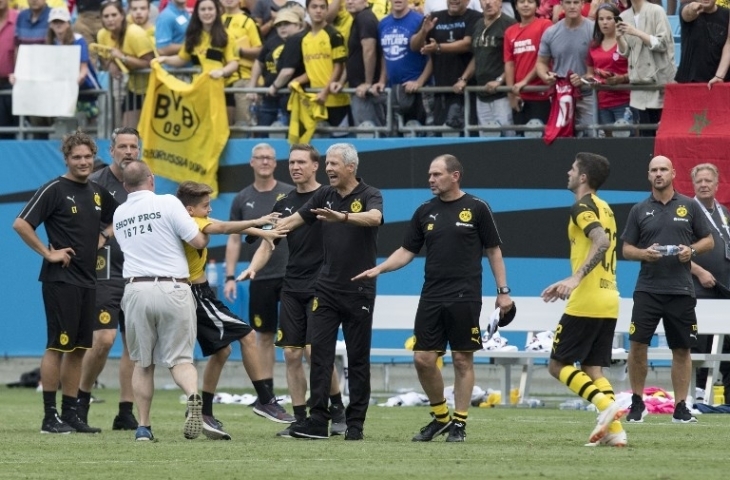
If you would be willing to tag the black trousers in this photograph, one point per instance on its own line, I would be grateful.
(355, 313)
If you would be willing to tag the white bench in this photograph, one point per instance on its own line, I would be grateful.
(534, 315)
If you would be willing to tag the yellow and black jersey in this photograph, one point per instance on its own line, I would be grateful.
(210, 58)
(245, 34)
(197, 258)
(320, 51)
(597, 294)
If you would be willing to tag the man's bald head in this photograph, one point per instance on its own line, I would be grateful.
(660, 160)
(136, 177)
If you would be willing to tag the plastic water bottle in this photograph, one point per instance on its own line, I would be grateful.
(534, 402)
(211, 273)
(628, 116)
(572, 405)
(667, 250)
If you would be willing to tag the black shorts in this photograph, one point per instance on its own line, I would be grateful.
(585, 340)
(69, 316)
(455, 323)
(263, 304)
(296, 311)
(677, 312)
(218, 327)
(108, 309)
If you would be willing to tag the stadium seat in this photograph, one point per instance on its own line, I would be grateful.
(677, 52)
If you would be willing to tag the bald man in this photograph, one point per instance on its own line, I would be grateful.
(664, 290)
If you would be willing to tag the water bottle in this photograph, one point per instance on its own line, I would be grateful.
(534, 402)
(628, 116)
(211, 273)
(253, 112)
(571, 405)
(667, 250)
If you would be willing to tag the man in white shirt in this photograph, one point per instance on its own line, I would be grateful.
(158, 304)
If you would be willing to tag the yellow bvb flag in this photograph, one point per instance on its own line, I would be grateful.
(184, 127)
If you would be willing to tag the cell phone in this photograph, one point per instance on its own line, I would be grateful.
(618, 19)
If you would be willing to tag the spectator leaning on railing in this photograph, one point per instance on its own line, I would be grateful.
(563, 50)
(170, 27)
(243, 31)
(645, 37)
(521, 42)
(405, 70)
(704, 39)
(269, 66)
(363, 66)
(446, 37)
(139, 13)
(487, 65)
(605, 65)
(130, 49)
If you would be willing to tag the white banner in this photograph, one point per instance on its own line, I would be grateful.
(46, 80)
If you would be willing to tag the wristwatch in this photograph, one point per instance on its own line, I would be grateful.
(230, 278)
(694, 252)
(503, 290)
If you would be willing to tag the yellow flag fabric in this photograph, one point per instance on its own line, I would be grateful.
(184, 127)
(305, 113)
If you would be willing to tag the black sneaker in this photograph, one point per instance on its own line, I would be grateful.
(56, 425)
(637, 411)
(457, 432)
(339, 422)
(309, 428)
(82, 411)
(73, 420)
(682, 414)
(431, 430)
(273, 411)
(353, 433)
(213, 429)
(125, 421)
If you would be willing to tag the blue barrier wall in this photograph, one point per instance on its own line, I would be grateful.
(523, 180)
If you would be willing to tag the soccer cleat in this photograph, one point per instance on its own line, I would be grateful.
(682, 414)
(637, 411)
(339, 424)
(606, 417)
(194, 418)
(273, 411)
(617, 439)
(457, 432)
(353, 433)
(144, 434)
(213, 429)
(431, 430)
(125, 421)
(73, 420)
(56, 425)
(309, 428)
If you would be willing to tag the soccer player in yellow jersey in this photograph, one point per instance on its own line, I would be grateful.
(247, 39)
(585, 332)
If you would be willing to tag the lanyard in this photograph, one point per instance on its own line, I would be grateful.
(712, 221)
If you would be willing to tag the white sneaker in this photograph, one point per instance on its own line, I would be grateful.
(495, 343)
(606, 417)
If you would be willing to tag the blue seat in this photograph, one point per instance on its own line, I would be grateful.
(677, 52)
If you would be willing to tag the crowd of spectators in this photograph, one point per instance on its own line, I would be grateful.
(498, 50)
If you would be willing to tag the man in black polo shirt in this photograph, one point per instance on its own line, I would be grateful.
(456, 229)
(351, 212)
(664, 289)
(72, 209)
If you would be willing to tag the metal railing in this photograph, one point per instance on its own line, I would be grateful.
(110, 104)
